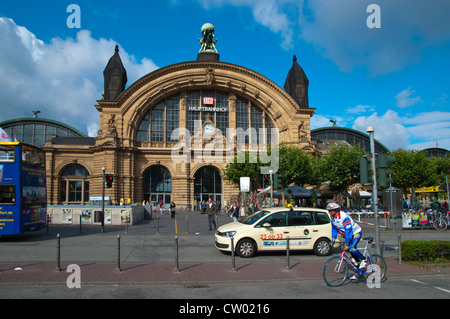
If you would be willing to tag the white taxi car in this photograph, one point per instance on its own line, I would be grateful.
(268, 229)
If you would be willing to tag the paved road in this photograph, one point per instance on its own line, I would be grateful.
(27, 264)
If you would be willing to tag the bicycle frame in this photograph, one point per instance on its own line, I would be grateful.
(360, 272)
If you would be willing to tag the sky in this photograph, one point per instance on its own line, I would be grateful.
(379, 63)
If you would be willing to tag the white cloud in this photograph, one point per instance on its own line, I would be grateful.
(420, 131)
(338, 29)
(359, 109)
(63, 79)
(276, 15)
(405, 99)
(387, 129)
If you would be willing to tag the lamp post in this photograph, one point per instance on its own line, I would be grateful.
(370, 130)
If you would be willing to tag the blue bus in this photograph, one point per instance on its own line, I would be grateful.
(23, 193)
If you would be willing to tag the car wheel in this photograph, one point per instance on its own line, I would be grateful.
(246, 248)
(322, 247)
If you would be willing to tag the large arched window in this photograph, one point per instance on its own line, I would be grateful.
(74, 185)
(201, 105)
(157, 125)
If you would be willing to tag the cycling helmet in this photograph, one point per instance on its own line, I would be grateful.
(333, 206)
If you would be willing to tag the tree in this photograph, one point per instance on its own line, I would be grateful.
(414, 169)
(234, 171)
(340, 166)
(295, 166)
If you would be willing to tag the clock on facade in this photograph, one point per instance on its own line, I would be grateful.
(208, 128)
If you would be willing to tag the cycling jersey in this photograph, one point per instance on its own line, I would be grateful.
(345, 226)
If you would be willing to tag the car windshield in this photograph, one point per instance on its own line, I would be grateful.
(251, 219)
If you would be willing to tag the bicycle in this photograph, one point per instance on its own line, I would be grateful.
(440, 222)
(336, 269)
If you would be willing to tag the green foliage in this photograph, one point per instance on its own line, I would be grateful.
(414, 169)
(430, 251)
(340, 166)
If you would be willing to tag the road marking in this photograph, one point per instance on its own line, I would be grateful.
(425, 284)
(448, 291)
(176, 228)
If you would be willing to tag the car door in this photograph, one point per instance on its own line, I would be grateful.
(272, 231)
(303, 230)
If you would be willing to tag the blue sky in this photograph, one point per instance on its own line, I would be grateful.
(395, 78)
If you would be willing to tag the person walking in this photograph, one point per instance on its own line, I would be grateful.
(234, 212)
(211, 212)
(172, 210)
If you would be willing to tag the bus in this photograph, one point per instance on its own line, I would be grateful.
(23, 193)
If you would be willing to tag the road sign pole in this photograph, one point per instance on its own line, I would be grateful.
(103, 202)
(370, 130)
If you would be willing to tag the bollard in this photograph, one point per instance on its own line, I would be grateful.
(233, 260)
(118, 254)
(187, 224)
(157, 225)
(287, 254)
(177, 268)
(399, 249)
(48, 217)
(58, 253)
(80, 225)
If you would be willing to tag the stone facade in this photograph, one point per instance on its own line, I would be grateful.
(121, 153)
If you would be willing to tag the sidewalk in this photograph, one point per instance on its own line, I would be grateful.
(99, 273)
(148, 256)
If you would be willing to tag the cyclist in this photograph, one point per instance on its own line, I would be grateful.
(343, 224)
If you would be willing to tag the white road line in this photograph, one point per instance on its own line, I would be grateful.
(448, 291)
(425, 284)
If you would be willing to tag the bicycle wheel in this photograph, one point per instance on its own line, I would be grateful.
(440, 224)
(370, 269)
(335, 271)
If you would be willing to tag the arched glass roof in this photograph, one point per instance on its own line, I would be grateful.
(36, 131)
(327, 136)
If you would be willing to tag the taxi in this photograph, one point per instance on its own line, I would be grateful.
(268, 229)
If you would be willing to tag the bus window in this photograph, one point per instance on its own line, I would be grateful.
(7, 194)
(32, 156)
(6, 154)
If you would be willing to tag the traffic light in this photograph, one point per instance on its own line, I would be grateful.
(365, 170)
(109, 178)
(266, 181)
(383, 172)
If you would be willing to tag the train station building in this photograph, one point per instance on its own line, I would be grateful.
(167, 136)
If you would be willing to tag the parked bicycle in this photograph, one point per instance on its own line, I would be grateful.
(441, 220)
(336, 269)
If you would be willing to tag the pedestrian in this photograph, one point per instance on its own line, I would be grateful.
(172, 210)
(203, 207)
(211, 212)
(234, 212)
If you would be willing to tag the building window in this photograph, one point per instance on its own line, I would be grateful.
(172, 117)
(74, 186)
(158, 124)
(242, 120)
(207, 103)
(157, 129)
